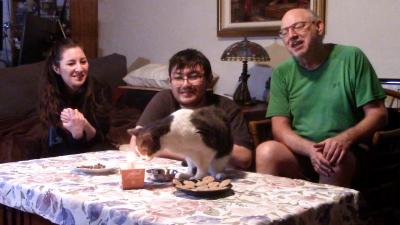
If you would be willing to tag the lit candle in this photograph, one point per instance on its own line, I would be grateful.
(132, 174)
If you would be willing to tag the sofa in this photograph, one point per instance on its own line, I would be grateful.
(21, 137)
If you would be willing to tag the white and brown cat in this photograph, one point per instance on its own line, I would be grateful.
(201, 136)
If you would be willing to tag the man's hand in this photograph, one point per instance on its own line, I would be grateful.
(334, 148)
(73, 121)
(319, 162)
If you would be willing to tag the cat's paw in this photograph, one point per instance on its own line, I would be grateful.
(195, 178)
(220, 176)
(198, 176)
(183, 176)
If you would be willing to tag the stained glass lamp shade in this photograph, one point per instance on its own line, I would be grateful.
(244, 51)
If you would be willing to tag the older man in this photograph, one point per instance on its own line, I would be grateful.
(190, 75)
(324, 101)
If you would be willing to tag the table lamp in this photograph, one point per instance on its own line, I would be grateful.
(244, 51)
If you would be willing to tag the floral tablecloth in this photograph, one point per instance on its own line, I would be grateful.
(53, 189)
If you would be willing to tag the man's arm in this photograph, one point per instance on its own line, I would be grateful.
(375, 118)
(242, 154)
(283, 132)
(241, 157)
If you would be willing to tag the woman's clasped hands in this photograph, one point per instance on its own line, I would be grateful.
(73, 121)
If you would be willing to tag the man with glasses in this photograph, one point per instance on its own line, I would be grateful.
(324, 102)
(190, 75)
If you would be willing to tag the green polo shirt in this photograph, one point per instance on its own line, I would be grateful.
(324, 102)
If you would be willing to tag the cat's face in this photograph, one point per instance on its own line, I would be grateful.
(146, 144)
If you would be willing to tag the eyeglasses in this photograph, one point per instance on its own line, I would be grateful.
(192, 78)
(297, 27)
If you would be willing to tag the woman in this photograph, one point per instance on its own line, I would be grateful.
(73, 107)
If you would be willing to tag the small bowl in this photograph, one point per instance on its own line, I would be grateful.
(161, 175)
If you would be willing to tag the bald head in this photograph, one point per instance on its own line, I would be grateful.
(302, 33)
(298, 14)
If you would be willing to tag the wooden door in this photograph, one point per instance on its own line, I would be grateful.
(84, 25)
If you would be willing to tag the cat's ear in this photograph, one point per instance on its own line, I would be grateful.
(134, 131)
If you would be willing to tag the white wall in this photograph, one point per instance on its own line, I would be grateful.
(156, 29)
(374, 26)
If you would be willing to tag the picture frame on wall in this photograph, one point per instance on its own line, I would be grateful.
(258, 17)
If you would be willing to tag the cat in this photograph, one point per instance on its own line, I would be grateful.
(202, 136)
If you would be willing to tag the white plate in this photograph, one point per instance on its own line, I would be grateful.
(100, 171)
(206, 193)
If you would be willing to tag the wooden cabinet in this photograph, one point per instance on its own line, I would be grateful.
(259, 126)
(84, 25)
(254, 112)
(11, 216)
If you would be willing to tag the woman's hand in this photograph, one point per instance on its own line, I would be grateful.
(73, 121)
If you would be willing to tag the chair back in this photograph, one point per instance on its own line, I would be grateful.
(380, 175)
(392, 99)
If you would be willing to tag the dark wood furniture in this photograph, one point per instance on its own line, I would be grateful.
(11, 216)
(83, 19)
(254, 112)
(84, 25)
(380, 179)
(257, 123)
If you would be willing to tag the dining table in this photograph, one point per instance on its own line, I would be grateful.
(57, 190)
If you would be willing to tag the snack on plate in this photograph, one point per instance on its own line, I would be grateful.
(206, 184)
(224, 183)
(96, 166)
(208, 179)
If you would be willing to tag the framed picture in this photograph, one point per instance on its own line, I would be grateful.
(258, 17)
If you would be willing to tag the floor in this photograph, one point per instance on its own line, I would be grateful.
(380, 209)
(386, 216)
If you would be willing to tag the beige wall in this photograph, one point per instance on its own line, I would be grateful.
(374, 26)
(156, 29)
